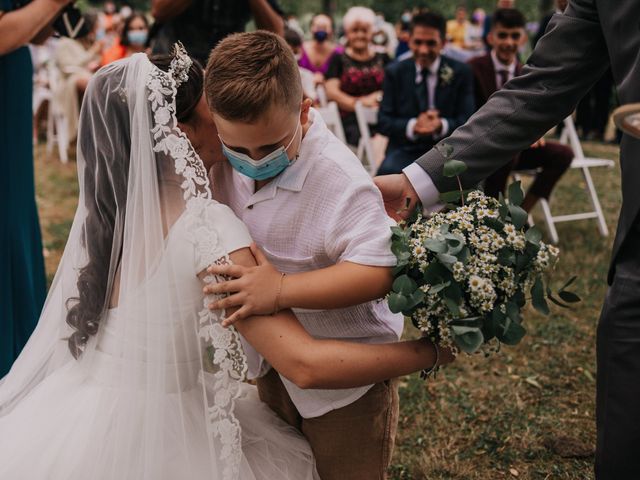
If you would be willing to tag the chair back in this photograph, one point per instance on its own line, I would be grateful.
(331, 116)
(321, 95)
(366, 116)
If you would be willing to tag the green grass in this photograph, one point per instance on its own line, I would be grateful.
(527, 413)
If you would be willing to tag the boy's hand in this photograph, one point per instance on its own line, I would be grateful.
(253, 289)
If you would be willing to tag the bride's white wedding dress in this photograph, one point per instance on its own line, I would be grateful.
(157, 392)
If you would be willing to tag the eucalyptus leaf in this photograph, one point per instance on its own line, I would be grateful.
(437, 288)
(451, 197)
(522, 261)
(452, 305)
(397, 303)
(404, 285)
(514, 334)
(454, 292)
(397, 269)
(435, 273)
(468, 339)
(492, 323)
(553, 299)
(519, 299)
(464, 254)
(453, 168)
(399, 247)
(494, 223)
(515, 193)
(454, 242)
(533, 235)
(447, 260)
(538, 298)
(513, 311)
(437, 246)
(414, 300)
(399, 231)
(518, 216)
(506, 257)
(569, 297)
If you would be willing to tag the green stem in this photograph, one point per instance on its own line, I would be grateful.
(461, 189)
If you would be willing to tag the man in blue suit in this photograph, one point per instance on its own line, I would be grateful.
(425, 97)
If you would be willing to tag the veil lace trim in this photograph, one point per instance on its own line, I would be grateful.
(221, 346)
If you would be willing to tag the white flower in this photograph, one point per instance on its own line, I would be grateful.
(446, 74)
(509, 229)
(162, 115)
(476, 283)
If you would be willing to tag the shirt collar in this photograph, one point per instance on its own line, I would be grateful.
(294, 176)
(498, 65)
(435, 66)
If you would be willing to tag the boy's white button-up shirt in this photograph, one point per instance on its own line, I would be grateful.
(322, 210)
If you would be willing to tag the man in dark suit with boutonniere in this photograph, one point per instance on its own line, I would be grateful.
(577, 48)
(425, 97)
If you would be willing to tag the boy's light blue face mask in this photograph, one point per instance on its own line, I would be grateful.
(267, 167)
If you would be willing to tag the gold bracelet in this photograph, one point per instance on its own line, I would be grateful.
(276, 304)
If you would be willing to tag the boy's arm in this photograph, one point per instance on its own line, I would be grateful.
(314, 363)
(262, 289)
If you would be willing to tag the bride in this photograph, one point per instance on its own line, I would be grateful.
(128, 375)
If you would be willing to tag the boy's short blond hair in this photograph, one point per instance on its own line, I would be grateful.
(247, 73)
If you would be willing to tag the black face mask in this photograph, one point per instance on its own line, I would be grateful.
(320, 36)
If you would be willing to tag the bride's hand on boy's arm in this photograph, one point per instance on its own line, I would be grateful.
(253, 289)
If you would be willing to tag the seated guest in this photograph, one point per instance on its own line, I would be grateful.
(294, 40)
(133, 39)
(425, 97)
(356, 74)
(76, 59)
(490, 73)
(457, 28)
(317, 53)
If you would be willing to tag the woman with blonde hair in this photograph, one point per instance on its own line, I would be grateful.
(357, 74)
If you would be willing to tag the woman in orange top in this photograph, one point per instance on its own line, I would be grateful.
(133, 40)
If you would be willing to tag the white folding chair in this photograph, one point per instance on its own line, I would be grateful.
(57, 128)
(570, 137)
(366, 116)
(331, 116)
(321, 95)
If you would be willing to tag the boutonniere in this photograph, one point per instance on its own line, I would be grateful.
(446, 75)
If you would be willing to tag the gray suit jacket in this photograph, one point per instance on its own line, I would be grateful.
(577, 48)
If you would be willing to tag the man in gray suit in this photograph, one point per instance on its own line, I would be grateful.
(574, 53)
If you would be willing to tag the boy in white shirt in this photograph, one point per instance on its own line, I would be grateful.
(316, 213)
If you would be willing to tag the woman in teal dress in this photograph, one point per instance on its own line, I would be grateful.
(22, 278)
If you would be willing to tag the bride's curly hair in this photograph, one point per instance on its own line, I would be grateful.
(105, 197)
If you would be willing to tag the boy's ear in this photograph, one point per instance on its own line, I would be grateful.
(304, 110)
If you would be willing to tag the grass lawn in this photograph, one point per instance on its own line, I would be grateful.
(527, 413)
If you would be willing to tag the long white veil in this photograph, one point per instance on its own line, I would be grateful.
(127, 303)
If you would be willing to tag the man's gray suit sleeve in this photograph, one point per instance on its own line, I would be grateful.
(567, 61)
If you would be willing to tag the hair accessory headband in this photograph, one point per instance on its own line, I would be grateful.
(180, 65)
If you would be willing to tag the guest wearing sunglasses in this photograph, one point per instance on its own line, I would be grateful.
(491, 72)
(425, 97)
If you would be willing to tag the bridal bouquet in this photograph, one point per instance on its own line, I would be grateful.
(465, 274)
